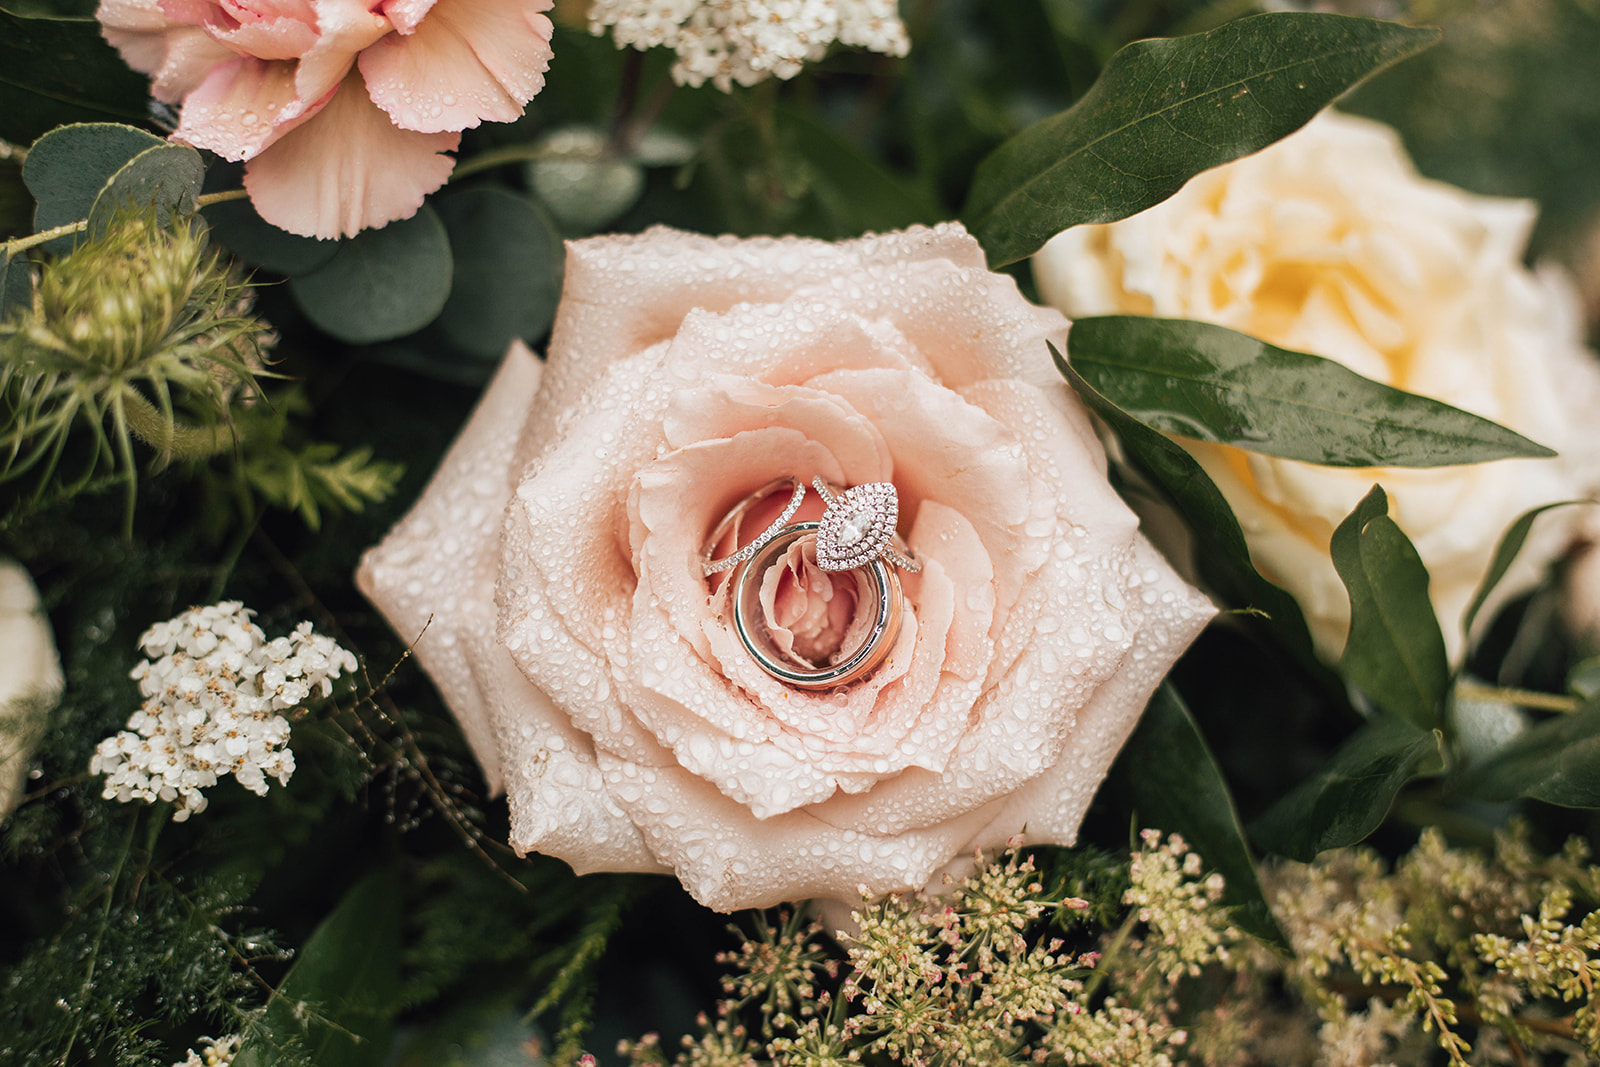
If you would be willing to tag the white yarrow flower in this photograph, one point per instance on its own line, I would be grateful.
(746, 41)
(218, 1052)
(214, 688)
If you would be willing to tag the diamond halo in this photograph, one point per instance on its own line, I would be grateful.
(858, 526)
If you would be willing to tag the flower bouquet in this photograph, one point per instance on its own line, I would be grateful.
(1069, 525)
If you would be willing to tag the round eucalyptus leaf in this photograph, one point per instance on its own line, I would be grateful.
(583, 187)
(236, 226)
(167, 176)
(67, 168)
(507, 270)
(380, 284)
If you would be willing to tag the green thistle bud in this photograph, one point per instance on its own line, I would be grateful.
(139, 332)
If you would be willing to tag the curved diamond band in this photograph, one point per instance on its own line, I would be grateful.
(749, 625)
(859, 527)
(713, 566)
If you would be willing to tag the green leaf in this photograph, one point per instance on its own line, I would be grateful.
(1584, 678)
(1177, 786)
(166, 176)
(16, 202)
(1213, 384)
(56, 71)
(1346, 800)
(340, 998)
(1557, 762)
(1220, 541)
(1505, 553)
(1162, 111)
(1395, 652)
(381, 284)
(507, 279)
(857, 192)
(236, 226)
(581, 180)
(67, 169)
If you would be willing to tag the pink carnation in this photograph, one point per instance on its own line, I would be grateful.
(343, 110)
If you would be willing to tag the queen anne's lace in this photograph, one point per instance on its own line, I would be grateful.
(748, 40)
(214, 687)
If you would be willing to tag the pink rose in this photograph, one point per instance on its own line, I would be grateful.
(557, 552)
(343, 109)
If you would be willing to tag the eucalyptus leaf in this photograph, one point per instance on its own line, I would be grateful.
(1175, 785)
(67, 169)
(1214, 384)
(55, 71)
(238, 228)
(1346, 800)
(340, 997)
(166, 176)
(1395, 652)
(507, 280)
(1221, 543)
(1557, 762)
(381, 284)
(580, 181)
(1505, 553)
(1164, 110)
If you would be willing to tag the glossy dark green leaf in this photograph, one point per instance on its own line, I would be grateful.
(166, 176)
(857, 192)
(1395, 653)
(57, 71)
(67, 169)
(1214, 384)
(1222, 548)
(507, 279)
(1505, 553)
(1557, 762)
(68, 10)
(342, 994)
(1584, 678)
(1164, 110)
(1346, 800)
(381, 284)
(1176, 786)
(236, 226)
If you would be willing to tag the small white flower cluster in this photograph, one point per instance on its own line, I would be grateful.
(219, 1052)
(746, 41)
(212, 704)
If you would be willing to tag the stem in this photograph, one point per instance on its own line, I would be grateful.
(207, 199)
(1523, 698)
(499, 157)
(172, 437)
(66, 229)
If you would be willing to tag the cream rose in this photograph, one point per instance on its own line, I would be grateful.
(1330, 243)
(557, 553)
(30, 677)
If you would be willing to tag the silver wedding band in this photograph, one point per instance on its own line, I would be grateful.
(750, 626)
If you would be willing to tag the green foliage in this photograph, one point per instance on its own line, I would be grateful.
(1349, 796)
(67, 169)
(1197, 380)
(1557, 761)
(1173, 782)
(1183, 483)
(305, 477)
(381, 284)
(1230, 91)
(60, 70)
(1395, 652)
(507, 271)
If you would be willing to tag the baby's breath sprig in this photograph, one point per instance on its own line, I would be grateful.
(139, 332)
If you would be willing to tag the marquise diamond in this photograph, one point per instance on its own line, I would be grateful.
(857, 525)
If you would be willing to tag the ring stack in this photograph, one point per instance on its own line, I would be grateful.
(857, 532)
